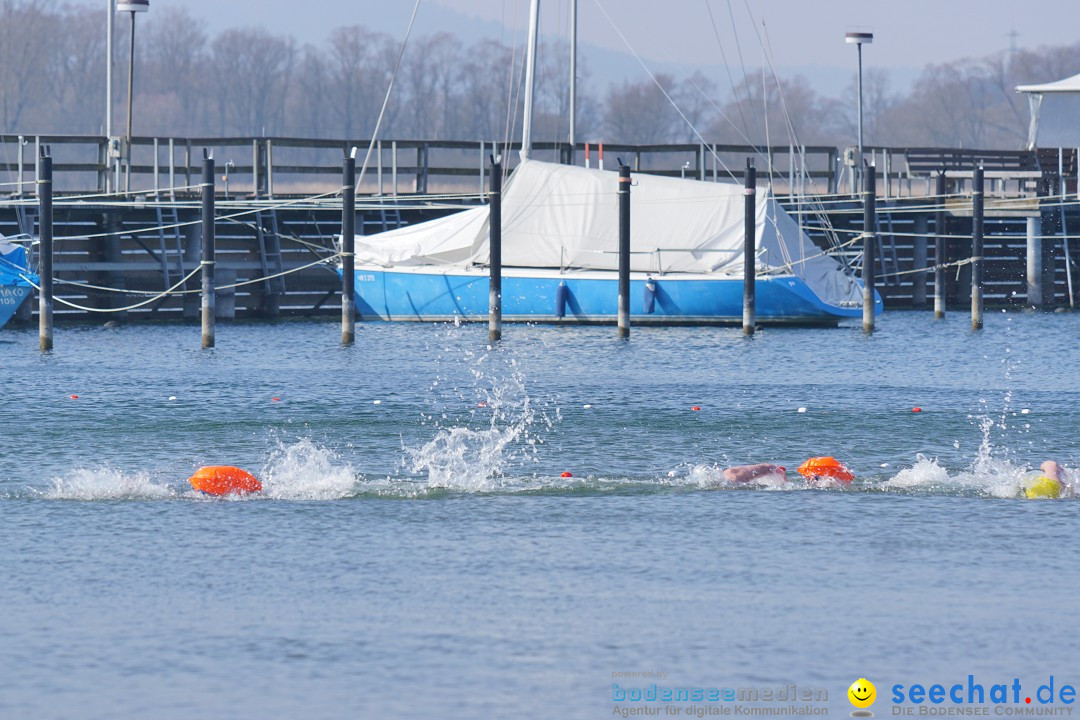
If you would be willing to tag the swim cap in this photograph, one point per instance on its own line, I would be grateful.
(1043, 487)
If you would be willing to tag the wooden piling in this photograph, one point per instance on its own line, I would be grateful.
(869, 245)
(977, 212)
(45, 261)
(624, 251)
(208, 251)
(939, 247)
(749, 248)
(495, 249)
(348, 251)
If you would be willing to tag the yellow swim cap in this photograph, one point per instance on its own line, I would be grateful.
(1043, 487)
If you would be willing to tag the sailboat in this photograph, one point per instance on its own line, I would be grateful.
(15, 278)
(560, 260)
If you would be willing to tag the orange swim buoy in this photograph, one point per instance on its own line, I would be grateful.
(224, 479)
(825, 467)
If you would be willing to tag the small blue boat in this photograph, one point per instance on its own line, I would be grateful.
(560, 263)
(16, 280)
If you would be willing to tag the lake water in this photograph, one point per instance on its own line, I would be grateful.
(416, 552)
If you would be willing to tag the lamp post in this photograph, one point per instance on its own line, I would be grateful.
(858, 39)
(131, 6)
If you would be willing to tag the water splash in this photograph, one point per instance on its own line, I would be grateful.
(987, 477)
(502, 429)
(106, 483)
(306, 471)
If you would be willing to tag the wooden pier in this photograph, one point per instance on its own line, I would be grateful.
(123, 231)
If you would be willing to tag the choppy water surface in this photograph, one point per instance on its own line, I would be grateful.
(417, 552)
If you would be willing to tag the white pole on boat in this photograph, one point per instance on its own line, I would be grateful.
(749, 249)
(530, 80)
(573, 78)
(348, 248)
(45, 237)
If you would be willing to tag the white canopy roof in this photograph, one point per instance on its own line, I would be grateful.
(1055, 113)
(566, 217)
(1068, 85)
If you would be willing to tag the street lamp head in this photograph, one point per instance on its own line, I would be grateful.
(858, 38)
(133, 6)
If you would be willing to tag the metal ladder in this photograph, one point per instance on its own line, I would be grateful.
(887, 258)
(391, 219)
(169, 216)
(27, 216)
(270, 251)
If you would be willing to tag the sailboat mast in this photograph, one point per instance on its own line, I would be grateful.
(530, 80)
(573, 76)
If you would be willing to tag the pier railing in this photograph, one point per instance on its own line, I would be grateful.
(272, 166)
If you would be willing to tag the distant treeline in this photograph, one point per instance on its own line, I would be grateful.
(245, 82)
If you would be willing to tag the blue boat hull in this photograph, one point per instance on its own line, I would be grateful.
(536, 296)
(11, 297)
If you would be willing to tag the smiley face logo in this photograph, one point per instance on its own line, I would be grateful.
(862, 693)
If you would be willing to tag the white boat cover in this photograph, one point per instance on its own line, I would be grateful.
(1054, 107)
(566, 217)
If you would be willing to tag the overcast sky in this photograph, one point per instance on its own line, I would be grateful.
(805, 35)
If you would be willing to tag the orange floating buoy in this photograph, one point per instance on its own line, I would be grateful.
(224, 479)
(916, 409)
(275, 399)
(825, 467)
(695, 408)
(73, 397)
(567, 474)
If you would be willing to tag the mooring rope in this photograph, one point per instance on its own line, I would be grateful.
(172, 291)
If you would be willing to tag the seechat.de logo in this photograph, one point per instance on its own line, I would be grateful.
(862, 694)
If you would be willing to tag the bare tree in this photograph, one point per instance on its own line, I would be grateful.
(24, 40)
(173, 63)
(75, 73)
(640, 112)
(253, 70)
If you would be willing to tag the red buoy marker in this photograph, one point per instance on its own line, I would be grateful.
(223, 480)
(567, 474)
(916, 409)
(275, 399)
(73, 397)
(695, 408)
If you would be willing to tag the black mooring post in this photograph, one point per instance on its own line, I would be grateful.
(869, 244)
(749, 249)
(45, 264)
(939, 247)
(495, 243)
(348, 250)
(624, 251)
(977, 213)
(208, 250)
